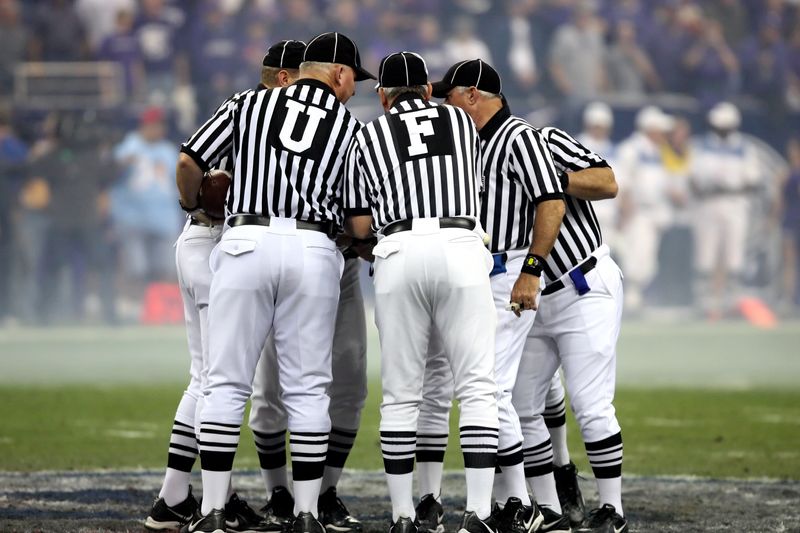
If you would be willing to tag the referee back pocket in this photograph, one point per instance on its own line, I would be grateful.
(237, 247)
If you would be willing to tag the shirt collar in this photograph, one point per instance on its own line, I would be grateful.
(404, 97)
(316, 83)
(490, 128)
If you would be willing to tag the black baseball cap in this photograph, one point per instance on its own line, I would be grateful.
(334, 47)
(471, 73)
(402, 69)
(285, 54)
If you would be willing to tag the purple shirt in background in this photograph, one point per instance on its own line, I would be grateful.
(158, 39)
(791, 199)
(123, 49)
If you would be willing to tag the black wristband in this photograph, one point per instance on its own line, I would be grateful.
(188, 209)
(564, 177)
(533, 265)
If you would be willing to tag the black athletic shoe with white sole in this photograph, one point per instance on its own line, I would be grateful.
(163, 517)
(213, 522)
(430, 515)
(515, 517)
(552, 522)
(279, 510)
(241, 518)
(472, 524)
(404, 525)
(306, 523)
(334, 515)
(604, 519)
(569, 493)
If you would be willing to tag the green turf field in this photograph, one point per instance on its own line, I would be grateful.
(666, 431)
(692, 400)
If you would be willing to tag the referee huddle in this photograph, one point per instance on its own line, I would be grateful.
(490, 277)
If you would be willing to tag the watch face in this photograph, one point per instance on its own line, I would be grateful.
(532, 262)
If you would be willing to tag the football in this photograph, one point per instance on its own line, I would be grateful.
(214, 193)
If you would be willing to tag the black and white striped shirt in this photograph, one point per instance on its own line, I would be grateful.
(518, 173)
(288, 147)
(580, 233)
(419, 160)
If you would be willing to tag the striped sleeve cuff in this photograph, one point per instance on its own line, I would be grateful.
(548, 196)
(195, 157)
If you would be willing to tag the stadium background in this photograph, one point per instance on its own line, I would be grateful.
(92, 353)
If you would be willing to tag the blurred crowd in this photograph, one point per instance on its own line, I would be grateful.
(88, 212)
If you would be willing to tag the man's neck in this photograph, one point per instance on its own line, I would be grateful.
(487, 111)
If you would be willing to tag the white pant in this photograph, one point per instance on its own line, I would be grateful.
(430, 278)
(509, 341)
(580, 334)
(192, 251)
(720, 234)
(273, 279)
(348, 389)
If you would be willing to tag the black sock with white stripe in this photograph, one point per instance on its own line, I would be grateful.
(218, 443)
(539, 473)
(479, 446)
(398, 449)
(430, 462)
(339, 445)
(180, 459)
(605, 456)
(271, 448)
(555, 418)
(309, 450)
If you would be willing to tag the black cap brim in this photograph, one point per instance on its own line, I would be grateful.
(362, 74)
(441, 88)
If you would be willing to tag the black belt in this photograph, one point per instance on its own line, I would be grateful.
(584, 267)
(327, 227)
(195, 222)
(444, 222)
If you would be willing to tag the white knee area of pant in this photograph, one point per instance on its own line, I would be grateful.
(187, 408)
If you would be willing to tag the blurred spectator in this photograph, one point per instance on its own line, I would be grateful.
(122, 46)
(793, 69)
(630, 71)
(723, 174)
(299, 20)
(674, 30)
(157, 26)
(677, 156)
(764, 68)
(577, 61)
(13, 41)
(215, 58)
(75, 175)
(58, 33)
(144, 211)
(463, 43)
(13, 153)
(429, 44)
(791, 229)
(510, 37)
(598, 122)
(100, 17)
(644, 185)
(711, 66)
(732, 15)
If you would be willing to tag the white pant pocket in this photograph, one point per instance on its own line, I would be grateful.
(236, 247)
(386, 248)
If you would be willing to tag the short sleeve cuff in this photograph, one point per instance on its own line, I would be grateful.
(195, 157)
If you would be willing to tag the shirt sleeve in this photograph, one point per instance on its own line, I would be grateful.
(214, 140)
(569, 155)
(532, 162)
(356, 190)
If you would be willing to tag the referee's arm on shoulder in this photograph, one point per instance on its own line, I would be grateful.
(357, 211)
(583, 173)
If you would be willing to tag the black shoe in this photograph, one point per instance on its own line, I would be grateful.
(472, 524)
(213, 522)
(515, 517)
(334, 515)
(306, 523)
(242, 518)
(430, 515)
(404, 525)
(569, 493)
(162, 516)
(553, 522)
(279, 511)
(604, 519)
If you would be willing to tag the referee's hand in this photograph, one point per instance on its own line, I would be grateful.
(525, 291)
